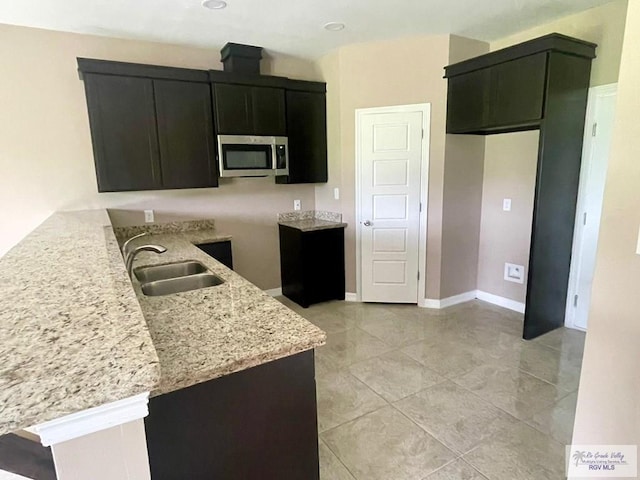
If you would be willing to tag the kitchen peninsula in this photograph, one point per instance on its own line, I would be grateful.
(78, 335)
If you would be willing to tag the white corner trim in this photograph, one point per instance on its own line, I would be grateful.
(92, 420)
(274, 292)
(447, 302)
(350, 297)
(501, 301)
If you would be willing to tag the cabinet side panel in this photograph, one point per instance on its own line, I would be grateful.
(556, 192)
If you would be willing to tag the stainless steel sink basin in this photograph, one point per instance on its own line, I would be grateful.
(169, 270)
(180, 284)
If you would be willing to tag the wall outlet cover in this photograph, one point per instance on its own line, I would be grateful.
(514, 273)
(297, 205)
(148, 216)
(506, 204)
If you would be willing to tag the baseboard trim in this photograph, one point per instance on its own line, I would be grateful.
(500, 301)
(274, 292)
(449, 301)
(350, 297)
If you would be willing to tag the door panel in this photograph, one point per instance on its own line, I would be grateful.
(391, 156)
(268, 111)
(185, 133)
(123, 129)
(233, 109)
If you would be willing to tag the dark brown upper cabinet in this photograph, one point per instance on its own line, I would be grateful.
(151, 127)
(307, 131)
(540, 84)
(250, 110)
(123, 130)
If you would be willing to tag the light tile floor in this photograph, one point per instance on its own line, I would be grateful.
(413, 394)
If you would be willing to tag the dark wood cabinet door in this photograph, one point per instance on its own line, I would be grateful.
(468, 101)
(185, 134)
(307, 133)
(233, 107)
(268, 108)
(123, 130)
(519, 87)
(221, 251)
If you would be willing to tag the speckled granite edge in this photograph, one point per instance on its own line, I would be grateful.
(160, 228)
(72, 333)
(313, 224)
(310, 215)
(205, 334)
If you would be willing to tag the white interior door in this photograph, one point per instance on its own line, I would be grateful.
(597, 143)
(390, 154)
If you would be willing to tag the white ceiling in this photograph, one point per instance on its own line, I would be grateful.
(287, 26)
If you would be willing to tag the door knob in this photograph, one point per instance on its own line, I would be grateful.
(367, 223)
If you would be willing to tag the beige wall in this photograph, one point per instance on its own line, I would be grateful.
(509, 172)
(46, 161)
(609, 397)
(462, 194)
(396, 72)
(603, 25)
(512, 157)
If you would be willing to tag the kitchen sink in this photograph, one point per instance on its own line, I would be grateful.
(169, 270)
(180, 284)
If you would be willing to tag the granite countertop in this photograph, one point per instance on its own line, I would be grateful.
(72, 334)
(205, 334)
(75, 333)
(311, 220)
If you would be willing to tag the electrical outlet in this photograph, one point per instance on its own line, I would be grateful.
(148, 216)
(514, 273)
(506, 204)
(297, 205)
(336, 193)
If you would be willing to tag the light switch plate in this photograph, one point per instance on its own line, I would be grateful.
(506, 204)
(297, 205)
(513, 273)
(336, 193)
(148, 216)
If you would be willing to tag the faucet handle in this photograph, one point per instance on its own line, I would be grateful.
(125, 246)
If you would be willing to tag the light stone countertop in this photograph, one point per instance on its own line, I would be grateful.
(311, 220)
(72, 334)
(205, 334)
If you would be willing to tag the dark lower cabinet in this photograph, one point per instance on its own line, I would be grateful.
(26, 458)
(256, 424)
(221, 251)
(312, 264)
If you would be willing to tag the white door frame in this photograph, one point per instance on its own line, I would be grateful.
(587, 146)
(425, 108)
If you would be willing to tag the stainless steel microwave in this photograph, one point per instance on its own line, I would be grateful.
(252, 156)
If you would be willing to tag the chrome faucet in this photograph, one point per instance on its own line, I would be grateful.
(125, 246)
(143, 248)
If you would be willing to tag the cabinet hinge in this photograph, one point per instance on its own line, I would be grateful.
(420, 206)
(423, 133)
(418, 275)
(575, 300)
(594, 130)
(584, 218)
